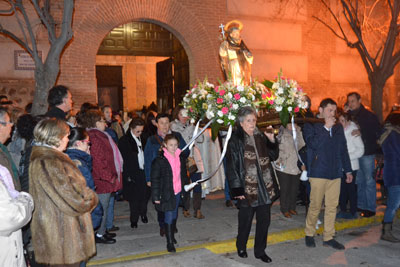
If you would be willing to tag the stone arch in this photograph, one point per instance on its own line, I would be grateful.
(94, 20)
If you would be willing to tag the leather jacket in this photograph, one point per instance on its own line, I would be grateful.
(235, 161)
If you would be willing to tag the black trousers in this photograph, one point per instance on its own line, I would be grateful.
(137, 208)
(289, 186)
(263, 218)
(348, 192)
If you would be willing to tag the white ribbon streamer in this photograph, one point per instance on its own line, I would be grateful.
(192, 185)
(197, 135)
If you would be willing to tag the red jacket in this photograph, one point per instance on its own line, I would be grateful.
(104, 172)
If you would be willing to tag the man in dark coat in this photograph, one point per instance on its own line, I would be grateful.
(370, 130)
(60, 102)
(327, 158)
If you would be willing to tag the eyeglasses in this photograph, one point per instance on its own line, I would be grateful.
(4, 123)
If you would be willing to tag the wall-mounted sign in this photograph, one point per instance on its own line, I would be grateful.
(23, 60)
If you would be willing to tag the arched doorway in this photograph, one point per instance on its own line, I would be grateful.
(93, 20)
(139, 63)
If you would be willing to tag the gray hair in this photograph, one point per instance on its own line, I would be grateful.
(243, 112)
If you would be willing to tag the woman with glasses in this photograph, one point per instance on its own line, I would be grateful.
(107, 167)
(134, 180)
(79, 151)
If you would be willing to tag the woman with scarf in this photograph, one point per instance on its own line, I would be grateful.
(250, 178)
(107, 166)
(134, 180)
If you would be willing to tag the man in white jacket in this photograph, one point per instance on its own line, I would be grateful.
(16, 211)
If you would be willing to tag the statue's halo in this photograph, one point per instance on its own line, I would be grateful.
(233, 24)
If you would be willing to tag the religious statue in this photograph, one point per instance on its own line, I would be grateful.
(235, 57)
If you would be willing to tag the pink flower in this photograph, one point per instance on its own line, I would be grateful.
(263, 96)
(220, 100)
(236, 96)
(216, 88)
(271, 102)
(224, 110)
(300, 89)
(222, 92)
(296, 109)
(269, 95)
(191, 109)
(195, 86)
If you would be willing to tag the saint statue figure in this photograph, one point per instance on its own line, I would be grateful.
(235, 57)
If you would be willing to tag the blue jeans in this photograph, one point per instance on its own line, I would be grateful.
(110, 212)
(104, 200)
(393, 203)
(366, 185)
(97, 214)
(172, 214)
(226, 189)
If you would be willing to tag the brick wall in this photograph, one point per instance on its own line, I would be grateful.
(281, 34)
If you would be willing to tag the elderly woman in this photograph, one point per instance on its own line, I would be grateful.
(107, 167)
(62, 231)
(251, 181)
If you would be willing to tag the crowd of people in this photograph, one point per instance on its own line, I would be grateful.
(61, 173)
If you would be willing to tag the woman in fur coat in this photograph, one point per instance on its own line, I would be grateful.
(62, 231)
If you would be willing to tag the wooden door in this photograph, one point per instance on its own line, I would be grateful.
(109, 86)
(165, 85)
(181, 72)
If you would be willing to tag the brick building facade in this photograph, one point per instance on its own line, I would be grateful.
(280, 34)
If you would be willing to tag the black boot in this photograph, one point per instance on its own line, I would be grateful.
(174, 230)
(387, 233)
(169, 235)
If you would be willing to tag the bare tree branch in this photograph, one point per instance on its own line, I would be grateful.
(390, 6)
(337, 20)
(34, 52)
(7, 11)
(330, 28)
(377, 53)
(357, 30)
(22, 28)
(66, 31)
(391, 36)
(45, 21)
(15, 38)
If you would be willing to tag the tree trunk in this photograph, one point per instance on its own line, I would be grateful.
(45, 78)
(377, 84)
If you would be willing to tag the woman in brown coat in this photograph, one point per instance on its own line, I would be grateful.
(62, 231)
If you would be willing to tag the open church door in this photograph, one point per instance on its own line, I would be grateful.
(181, 72)
(165, 85)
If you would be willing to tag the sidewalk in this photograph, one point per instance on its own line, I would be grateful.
(216, 233)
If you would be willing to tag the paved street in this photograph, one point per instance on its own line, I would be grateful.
(211, 241)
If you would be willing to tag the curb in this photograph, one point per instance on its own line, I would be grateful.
(229, 245)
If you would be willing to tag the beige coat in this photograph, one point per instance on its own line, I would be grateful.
(62, 231)
(287, 161)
